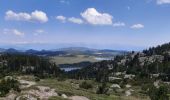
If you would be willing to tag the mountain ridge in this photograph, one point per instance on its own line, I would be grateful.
(69, 50)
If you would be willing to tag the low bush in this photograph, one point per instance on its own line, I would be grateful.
(85, 85)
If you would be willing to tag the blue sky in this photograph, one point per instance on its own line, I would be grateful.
(102, 24)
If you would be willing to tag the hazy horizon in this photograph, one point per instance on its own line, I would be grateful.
(59, 46)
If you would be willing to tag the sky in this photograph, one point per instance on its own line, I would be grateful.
(100, 24)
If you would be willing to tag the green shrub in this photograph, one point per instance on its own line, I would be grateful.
(102, 89)
(85, 85)
(158, 93)
(7, 84)
(37, 79)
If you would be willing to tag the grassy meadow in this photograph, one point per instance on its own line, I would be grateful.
(72, 59)
(70, 87)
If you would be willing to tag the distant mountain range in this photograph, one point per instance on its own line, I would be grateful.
(2, 50)
(76, 49)
(67, 51)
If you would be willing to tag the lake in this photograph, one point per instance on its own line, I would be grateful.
(102, 58)
(70, 68)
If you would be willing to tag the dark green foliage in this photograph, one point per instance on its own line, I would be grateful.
(133, 65)
(102, 89)
(37, 79)
(81, 64)
(27, 64)
(159, 50)
(85, 85)
(145, 87)
(158, 93)
(101, 70)
(98, 71)
(8, 84)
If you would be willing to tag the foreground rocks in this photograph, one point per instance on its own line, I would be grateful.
(78, 98)
(26, 84)
(42, 92)
(32, 92)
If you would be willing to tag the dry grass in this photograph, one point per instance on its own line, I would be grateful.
(72, 59)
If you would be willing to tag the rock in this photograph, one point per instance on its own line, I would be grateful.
(155, 75)
(26, 97)
(128, 93)
(78, 98)
(118, 73)
(11, 96)
(43, 92)
(8, 77)
(128, 86)
(156, 84)
(129, 76)
(115, 86)
(26, 84)
(64, 96)
(114, 78)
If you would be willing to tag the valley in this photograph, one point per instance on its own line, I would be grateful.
(133, 76)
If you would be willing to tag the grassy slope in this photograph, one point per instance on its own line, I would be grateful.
(69, 88)
(72, 59)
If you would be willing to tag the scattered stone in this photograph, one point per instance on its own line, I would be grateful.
(26, 84)
(118, 73)
(64, 96)
(9, 77)
(43, 92)
(115, 86)
(26, 97)
(129, 76)
(156, 84)
(78, 98)
(128, 86)
(114, 78)
(128, 93)
(154, 75)
(11, 96)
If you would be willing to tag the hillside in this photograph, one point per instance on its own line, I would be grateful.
(66, 51)
(145, 69)
(134, 76)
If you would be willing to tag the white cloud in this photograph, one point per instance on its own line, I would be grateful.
(17, 32)
(163, 2)
(38, 32)
(61, 18)
(118, 24)
(64, 1)
(37, 16)
(10, 15)
(75, 20)
(72, 19)
(13, 31)
(92, 16)
(137, 26)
